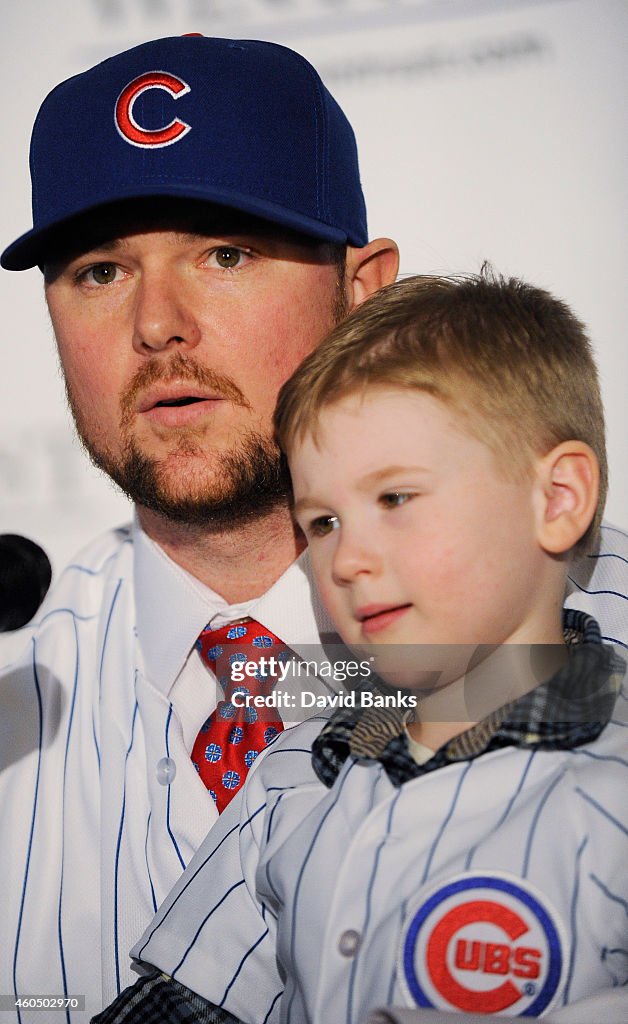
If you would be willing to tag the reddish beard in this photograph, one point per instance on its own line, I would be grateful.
(217, 490)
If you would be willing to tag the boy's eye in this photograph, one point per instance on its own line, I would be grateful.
(322, 525)
(392, 499)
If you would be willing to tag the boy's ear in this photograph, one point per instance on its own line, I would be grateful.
(566, 495)
(369, 269)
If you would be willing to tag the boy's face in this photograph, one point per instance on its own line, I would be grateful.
(415, 535)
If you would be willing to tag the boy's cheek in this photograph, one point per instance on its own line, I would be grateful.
(335, 599)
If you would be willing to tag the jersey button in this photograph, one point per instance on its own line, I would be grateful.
(166, 771)
(349, 942)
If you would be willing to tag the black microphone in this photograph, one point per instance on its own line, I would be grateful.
(25, 574)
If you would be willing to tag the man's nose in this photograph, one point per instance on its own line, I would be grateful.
(162, 317)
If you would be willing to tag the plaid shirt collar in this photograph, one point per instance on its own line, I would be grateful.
(570, 709)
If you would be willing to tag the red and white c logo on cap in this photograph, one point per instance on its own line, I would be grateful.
(133, 132)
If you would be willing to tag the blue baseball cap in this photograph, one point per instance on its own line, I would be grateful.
(244, 124)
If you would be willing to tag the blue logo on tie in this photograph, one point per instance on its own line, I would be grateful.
(213, 753)
(250, 715)
(236, 632)
(270, 733)
(236, 734)
(230, 780)
(214, 652)
(262, 641)
(249, 757)
(227, 710)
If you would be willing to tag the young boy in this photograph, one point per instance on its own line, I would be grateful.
(445, 442)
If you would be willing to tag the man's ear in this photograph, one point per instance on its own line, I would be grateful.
(566, 495)
(370, 268)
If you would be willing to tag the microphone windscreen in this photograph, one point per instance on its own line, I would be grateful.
(25, 574)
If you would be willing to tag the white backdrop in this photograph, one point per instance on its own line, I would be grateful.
(488, 129)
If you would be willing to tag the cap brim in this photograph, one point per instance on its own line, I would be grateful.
(33, 248)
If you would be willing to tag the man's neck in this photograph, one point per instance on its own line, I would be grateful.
(238, 564)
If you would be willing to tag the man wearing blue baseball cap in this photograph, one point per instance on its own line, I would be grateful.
(198, 215)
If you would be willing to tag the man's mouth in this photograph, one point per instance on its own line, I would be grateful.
(176, 405)
(179, 393)
(167, 403)
(176, 396)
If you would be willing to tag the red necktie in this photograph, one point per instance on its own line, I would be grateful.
(232, 737)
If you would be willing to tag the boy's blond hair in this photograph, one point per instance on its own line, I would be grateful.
(511, 359)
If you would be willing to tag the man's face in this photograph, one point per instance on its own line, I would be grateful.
(174, 342)
(415, 535)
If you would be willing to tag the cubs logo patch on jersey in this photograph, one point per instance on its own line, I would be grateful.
(484, 943)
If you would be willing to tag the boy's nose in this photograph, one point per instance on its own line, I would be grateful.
(354, 556)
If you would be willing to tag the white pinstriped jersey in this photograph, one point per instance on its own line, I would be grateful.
(507, 868)
(101, 690)
(92, 697)
(598, 584)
